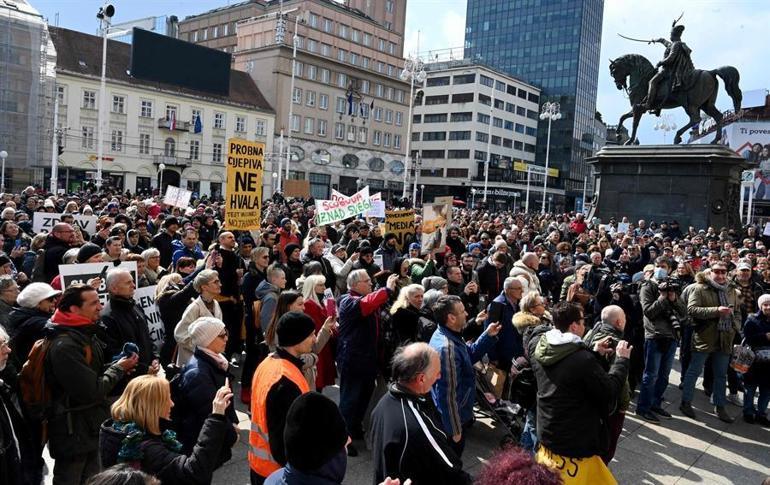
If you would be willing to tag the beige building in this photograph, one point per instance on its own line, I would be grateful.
(348, 123)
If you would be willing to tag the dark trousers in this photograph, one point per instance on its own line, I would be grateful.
(615, 425)
(685, 352)
(232, 315)
(255, 353)
(256, 479)
(355, 391)
(459, 446)
(75, 470)
(708, 378)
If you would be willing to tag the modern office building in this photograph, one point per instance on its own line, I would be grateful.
(152, 129)
(465, 111)
(554, 45)
(27, 61)
(347, 112)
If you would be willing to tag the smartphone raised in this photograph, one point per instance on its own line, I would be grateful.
(495, 312)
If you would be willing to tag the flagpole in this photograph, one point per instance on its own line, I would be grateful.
(291, 94)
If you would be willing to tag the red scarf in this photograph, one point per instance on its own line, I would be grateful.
(67, 319)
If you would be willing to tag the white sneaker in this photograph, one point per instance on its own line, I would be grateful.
(735, 400)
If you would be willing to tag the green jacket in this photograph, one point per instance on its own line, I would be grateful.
(702, 305)
(594, 335)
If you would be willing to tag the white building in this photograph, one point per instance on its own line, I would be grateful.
(139, 135)
(467, 110)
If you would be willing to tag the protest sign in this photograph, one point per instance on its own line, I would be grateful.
(378, 259)
(623, 227)
(177, 197)
(244, 184)
(339, 208)
(377, 210)
(436, 220)
(400, 223)
(145, 298)
(81, 273)
(44, 222)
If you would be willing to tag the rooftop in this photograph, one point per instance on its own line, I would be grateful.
(81, 53)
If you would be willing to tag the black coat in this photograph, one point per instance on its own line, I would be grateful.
(163, 243)
(409, 442)
(169, 467)
(406, 322)
(327, 270)
(171, 305)
(124, 321)
(490, 279)
(25, 327)
(54, 251)
(200, 381)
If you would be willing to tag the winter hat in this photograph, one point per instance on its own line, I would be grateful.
(88, 250)
(34, 293)
(434, 283)
(4, 260)
(293, 328)
(336, 248)
(365, 249)
(204, 330)
(414, 245)
(290, 249)
(285, 221)
(473, 246)
(315, 432)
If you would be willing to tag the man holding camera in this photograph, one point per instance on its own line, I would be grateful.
(663, 310)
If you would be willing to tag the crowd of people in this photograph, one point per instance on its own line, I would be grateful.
(575, 321)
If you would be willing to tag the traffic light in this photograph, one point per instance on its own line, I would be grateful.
(60, 150)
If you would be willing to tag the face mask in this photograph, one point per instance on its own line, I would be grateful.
(660, 273)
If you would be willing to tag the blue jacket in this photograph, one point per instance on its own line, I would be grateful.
(181, 250)
(454, 393)
(509, 343)
(359, 320)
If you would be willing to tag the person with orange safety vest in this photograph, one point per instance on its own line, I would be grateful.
(277, 382)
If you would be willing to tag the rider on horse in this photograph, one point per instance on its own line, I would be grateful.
(676, 65)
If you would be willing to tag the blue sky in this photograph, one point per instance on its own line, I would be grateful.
(719, 32)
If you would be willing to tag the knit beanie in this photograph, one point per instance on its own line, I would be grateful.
(293, 328)
(315, 432)
(290, 249)
(88, 250)
(204, 330)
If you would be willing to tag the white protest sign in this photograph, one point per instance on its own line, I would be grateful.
(766, 232)
(377, 196)
(328, 211)
(623, 227)
(44, 222)
(145, 298)
(81, 273)
(177, 197)
(378, 209)
(378, 260)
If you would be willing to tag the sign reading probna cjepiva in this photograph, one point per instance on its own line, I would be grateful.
(244, 184)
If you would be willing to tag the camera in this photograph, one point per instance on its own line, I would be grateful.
(669, 284)
(675, 323)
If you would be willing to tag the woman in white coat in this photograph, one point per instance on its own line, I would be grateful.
(207, 284)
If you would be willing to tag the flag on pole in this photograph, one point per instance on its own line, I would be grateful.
(351, 111)
(172, 121)
(198, 125)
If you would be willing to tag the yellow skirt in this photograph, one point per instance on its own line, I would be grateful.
(576, 471)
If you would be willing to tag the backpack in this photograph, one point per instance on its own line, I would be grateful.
(38, 270)
(33, 380)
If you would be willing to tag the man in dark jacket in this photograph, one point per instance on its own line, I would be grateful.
(56, 244)
(230, 272)
(357, 347)
(501, 309)
(124, 322)
(75, 365)
(163, 241)
(492, 273)
(388, 251)
(406, 427)
(575, 395)
(315, 252)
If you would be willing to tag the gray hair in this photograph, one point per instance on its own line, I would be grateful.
(113, 275)
(272, 271)
(70, 256)
(411, 360)
(355, 276)
(430, 298)
(529, 300)
(6, 281)
(203, 278)
(509, 281)
(150, 253)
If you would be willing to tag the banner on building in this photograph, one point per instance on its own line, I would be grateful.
(145, 298)
(522, 167)
(339, 208)
(244, 184)
(400, 223)
(44, 222)
(435, 222)
(81, 273)
(177, 197)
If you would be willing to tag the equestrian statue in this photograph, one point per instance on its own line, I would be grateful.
(676, 84)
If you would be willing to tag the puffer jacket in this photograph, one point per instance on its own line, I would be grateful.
(25, 327)
(702, 305)
(521, 269)
(657, 312)
(454, 392)
(168, 466)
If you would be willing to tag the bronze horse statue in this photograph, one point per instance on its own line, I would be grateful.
(699, 94)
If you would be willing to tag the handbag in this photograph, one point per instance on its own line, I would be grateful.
(742, 357)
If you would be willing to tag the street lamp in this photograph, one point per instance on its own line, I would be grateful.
(413, 71)
(422, 194)
(665, 125)
(275, 182)
(473, 197)
(161, 168)
(3, 156)
(551, 113)
(105, 14)
(295, 40)
(516, 195)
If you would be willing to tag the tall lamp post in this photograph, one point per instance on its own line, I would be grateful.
(666, 124)
(161, 168)
(551, 113)
(473, 197)
(3, 156)
(295, 40)
(104, 15)
(422, 194)
(413, 71)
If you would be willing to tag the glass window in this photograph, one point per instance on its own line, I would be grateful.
(61, 93)
(309, 126)
(195, 149)
(321, 127)
(240, 124)
(465, 79)
(146, 109)
(116, 142)
(378, 114)
(297, 96)
(435, 118)
(386, 139)
(219, 120)
(118, 104)
(437, 81)
(396, 141)
(325, 76)
(310, 98)
(462, 98)
(363, 134)
(458, 154)
(295, 122)
(341, 104)
(484, 80)
(144, 143)
(432, 100)
(339, 131)
(389, 116)
(351, 133)
(323, 101)
(399, 118)
(89, 99)
(260, 127)
(87, 137)
(500, 86)
(342, 80)
(312, 71)
(460, 117)
(377, 137)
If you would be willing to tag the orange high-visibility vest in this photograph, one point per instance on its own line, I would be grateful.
(269, 372)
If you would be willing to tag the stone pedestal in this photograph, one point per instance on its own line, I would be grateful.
(697, 185)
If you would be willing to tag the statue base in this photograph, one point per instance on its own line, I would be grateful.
(696, 185)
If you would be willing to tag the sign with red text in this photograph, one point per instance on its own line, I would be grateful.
(339, 208)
